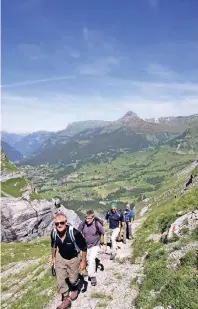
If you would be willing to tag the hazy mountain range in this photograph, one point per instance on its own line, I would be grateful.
(83, 139)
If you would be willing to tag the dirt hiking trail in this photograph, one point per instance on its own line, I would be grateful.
(114, 288)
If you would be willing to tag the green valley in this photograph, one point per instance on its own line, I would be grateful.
(132, 176)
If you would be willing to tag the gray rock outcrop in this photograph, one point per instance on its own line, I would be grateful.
(144, 210)
(188, 221)
(154, 237)
(5, 175)
(23, 220)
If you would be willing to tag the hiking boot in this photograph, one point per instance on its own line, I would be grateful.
(93, 281)
(112, 256)
(66, 303)
(74, 295)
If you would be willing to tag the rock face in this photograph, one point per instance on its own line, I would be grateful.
(154, 237)
(144, 210)
(23, 220)
(188, 221)
(6, 176)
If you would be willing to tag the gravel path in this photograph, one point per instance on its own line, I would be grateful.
(114, 289)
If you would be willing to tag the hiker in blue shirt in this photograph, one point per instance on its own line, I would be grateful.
(129, 215)
(116, 222)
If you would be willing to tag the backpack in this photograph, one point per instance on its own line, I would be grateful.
(71, 234)
(128, 215)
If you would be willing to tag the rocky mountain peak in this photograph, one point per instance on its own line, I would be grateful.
(130, 114)
(129, 117)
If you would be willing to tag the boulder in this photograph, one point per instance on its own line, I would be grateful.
(23, 220)
(188, 221)
(143, 211)
(154, 237)
(178, 254)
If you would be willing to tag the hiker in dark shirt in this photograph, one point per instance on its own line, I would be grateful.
(129, 215)
(92, 229)
(190, 180)
(116, 221)
(65, 260)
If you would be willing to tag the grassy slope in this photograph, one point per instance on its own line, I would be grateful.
(15, 252)
(129, 176)
(14, 187)
(34, 294)
(6, 165)
(171, 287)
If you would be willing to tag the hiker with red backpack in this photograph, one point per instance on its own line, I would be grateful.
(92, 229)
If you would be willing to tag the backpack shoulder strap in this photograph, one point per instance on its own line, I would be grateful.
(83, 225)
(71, 233)
(119, 214)
(99, 220)
(54, 234)
(97, 227)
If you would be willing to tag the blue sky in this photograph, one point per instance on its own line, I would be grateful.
(65, 61)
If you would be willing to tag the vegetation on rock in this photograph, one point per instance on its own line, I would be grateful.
(165, 285)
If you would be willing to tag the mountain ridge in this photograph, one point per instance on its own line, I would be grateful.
(12, 153)
(79, 137)
(130, 133)
(173, 120)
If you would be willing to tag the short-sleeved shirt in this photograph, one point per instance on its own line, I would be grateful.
(114, 219)
(67, 248)
(91, 234)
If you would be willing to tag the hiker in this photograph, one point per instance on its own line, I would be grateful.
(190, 180)
(92, 229)
(116, 221)
(129, 216)
(66, 243)
(57, 203)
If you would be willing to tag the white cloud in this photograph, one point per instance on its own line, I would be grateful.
(37, 81)
(159, 71)
(102, 85)
(149, 108)
(22, 114)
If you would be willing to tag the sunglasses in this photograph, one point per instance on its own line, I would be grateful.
(60, 223)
